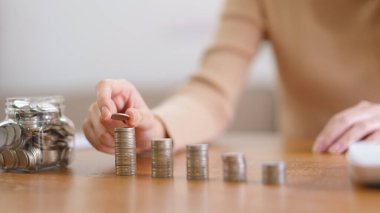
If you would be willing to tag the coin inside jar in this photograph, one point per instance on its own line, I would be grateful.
(35, 134)
(3, 136)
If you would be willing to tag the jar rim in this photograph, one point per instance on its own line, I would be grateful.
(53, 98)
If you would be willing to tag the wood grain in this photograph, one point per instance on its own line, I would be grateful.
(315, 183)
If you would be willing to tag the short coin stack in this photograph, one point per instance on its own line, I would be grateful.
(273, 172)
(234, 167)
(125, 151)
(162, 158)
(197, 161)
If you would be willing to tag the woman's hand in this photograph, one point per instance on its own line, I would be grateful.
(360, 122)
(113, 96)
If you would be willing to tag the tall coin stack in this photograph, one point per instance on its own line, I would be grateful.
(197, 161)
(273, 173)
(162, 158)
(125, 151)
(234, 167)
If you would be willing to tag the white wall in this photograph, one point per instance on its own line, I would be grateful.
(65, 47)
(70, 45)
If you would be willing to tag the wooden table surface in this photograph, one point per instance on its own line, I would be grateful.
(315, 183)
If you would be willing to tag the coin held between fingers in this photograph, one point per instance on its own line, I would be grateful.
(120, 117)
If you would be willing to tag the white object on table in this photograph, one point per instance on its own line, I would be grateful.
(364, 162)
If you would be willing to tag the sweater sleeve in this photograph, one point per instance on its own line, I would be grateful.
(204, 106)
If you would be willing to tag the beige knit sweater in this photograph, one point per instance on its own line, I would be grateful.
(328, 56)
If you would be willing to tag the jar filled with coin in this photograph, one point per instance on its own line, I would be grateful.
(35, 134)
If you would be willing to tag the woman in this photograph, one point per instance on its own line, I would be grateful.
(328, 57)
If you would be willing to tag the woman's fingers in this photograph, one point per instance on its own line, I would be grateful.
(348, 126)
(339, 124)
(118, 96)
(141, 118)
(100, 140)
(356, 133)
(115, 96)
(373, 137)
(100, 132)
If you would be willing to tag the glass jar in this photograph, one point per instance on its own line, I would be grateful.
(35, 134)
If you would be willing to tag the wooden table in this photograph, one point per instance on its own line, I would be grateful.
(315, 183)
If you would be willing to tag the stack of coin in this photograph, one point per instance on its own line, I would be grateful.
(162, 158)
(273, 172)
(197, 161)
(125, 151)
(234, 167)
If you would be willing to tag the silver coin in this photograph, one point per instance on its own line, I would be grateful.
(196, 147)
(1, 160)
(10, 159)
(32, 160)
(162, 143)
(274, 172)
(11, 134)
(3, 136)
(124, 130)
(234, 167)
(66, 156)
(44, 106)
(18, 141)
(23, 159)
(31, 123)
(20, 104)
(49, 157)
(37, 155)
(68, 126)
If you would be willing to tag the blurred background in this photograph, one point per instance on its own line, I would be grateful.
(65, 47)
